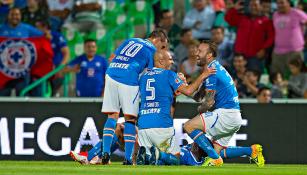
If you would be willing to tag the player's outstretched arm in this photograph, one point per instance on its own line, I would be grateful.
(208, 102)
(190, 89)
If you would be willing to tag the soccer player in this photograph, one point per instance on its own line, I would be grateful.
(155, 123)
(218, 91)
(121, 88)
(192, 155)
(95, 154)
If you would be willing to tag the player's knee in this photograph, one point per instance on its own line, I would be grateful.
(130, 119)
(188, 127)
(113, 115)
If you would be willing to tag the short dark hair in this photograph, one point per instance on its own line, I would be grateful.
(263, 88)
(238, 55)
(163, 12)
(255, 72)
(14, 8)
(159, 33)
(273, 76)
(184, 31)
(297, 62)
(266, 1)
(212, 47)
(218, 27)
(89, 40)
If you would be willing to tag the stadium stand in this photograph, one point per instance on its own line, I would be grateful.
(122, 19)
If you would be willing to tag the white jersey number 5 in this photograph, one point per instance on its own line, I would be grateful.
(150, 89)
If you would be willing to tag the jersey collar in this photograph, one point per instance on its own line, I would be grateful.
(212, 62)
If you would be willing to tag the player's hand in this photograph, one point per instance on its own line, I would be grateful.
(208, 71)
(260, 54)
(239, 5)
(182, 77)
(245, 80)
(197, 24)
(177, 93)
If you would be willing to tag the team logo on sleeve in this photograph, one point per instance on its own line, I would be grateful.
(16, 57)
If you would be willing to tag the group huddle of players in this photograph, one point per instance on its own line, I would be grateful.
(140, 69)
(190, 154)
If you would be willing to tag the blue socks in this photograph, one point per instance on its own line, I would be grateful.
(129, 138)
(199, 137)
(96, 150)
(108, 132)
(169, 159)
(233, 152)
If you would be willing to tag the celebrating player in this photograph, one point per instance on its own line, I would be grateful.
(225, 120)
(121, 88)
(155, 124)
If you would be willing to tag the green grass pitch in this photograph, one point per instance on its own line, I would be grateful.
(73, 168)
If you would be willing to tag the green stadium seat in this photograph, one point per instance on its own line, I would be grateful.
(76, 45)
(167, 4)
(112, 13)
(97, 35)
(138, 11)
(105, 47)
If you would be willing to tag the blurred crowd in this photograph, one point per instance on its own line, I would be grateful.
(260, 42)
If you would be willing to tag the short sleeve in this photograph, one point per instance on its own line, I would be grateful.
(210, 82)
(174, 80)
(75, 61)
(302, 16)
(62, 41)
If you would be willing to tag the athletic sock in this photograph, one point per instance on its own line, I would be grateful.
(233, 152)
(199, 137)
(169, 159)
(129, 138)
(95, 151)
(147, 157)
(108, 132)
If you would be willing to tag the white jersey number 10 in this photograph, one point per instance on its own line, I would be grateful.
(131, 49)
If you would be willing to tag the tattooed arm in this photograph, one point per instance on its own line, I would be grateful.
(199, 95)
(208, 101)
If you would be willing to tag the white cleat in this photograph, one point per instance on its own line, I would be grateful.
(79, 158)
(96, 161)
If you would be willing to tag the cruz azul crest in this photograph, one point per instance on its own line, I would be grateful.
(17, 56)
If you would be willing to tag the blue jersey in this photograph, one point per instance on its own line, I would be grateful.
(57, 42)
(21, 31)
(157, 87)
(226, 95)
(90, 78)
(131, 58)
(187, 157)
